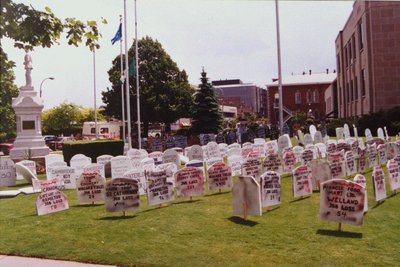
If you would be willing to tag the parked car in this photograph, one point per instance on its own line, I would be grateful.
(59, 142)
(49, 138)
(6, 147)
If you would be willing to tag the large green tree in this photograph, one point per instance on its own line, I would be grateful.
(207, 117)
(30, 27)
(165, 93)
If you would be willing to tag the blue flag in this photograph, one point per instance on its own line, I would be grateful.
(118, 35)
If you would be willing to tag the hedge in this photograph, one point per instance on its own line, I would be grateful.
(93, 149)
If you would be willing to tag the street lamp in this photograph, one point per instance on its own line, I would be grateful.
(40, 91)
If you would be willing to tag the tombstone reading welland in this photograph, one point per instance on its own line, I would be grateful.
(302, 185)
(342, 201)
(360, 179)
(219, 176)
(378, 178)
(122, 194)
(159, 190)
(189, 182)
(246, 197)
(7, 172)
(90, 187)
(50, 199)
(270, 185)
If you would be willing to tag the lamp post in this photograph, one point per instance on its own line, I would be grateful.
(40, 90)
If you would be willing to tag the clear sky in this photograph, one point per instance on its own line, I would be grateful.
(232, 39)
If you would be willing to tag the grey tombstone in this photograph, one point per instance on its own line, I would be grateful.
(318, 137)
(90, 187)
(351, 167)
(270, 186)
(159, 190)
(50, 199)
(380, 134)
(121, 194)
(360, 179)
(172, 156)
(195, 153)
(321, 149)
(320, 172)
(346, 131)
(302, 184)
(378, 178)
(137, 174)
(246, 197)
(352, 194)
(219, 176)
(189, 182)
(78, 162)
(368, 134)
(235, 162)
(66, 175)
(394, 175)
(308, 139)
(120, 165)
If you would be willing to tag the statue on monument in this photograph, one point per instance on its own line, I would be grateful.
(28, 67)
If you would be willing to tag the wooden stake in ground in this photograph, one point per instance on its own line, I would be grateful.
(340, 227)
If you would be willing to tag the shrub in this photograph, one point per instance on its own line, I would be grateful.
(93, 149)
(380, 119)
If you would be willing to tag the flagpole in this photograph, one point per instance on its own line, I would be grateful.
(279, 68)
(137, 81)
(94, 93)
(122, 87)
(128, 103)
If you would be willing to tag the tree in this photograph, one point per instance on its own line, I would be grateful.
(207, 117)
(29, 27)
(165, 93)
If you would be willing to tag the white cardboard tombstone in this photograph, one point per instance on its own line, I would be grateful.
(351, 167)
(223, 149)
(25, 172)
(394, 175)
(392, 150)
(312, 129)
(289, 161)
(159, 190)
(213, 150)
(382, 154)
(342, 201)
(49, 159)
(283, 142)
(247, 149)
(378, 178)
(270, 185)
(372, 153)
(78, 162)
(235, 162)
(30, 164)
(355, 131)
(252, 167)
(189, 182)
(172, 156)
(259, 147)
(106, 161)
(320, 172)
(120, 165)
(339, 133)
(346, 131)
(51, 166)
(362, 159)
(90, 188)
(234, 145)
(321, 149)
(211, 161)
(368, 134)
(360, 179)
(272, 162)
(246, 197)
(234, 151)
(95, 168)
(331, 146)
(308, 139)
(219, 176)
(137, 174)
(121, 194)
(302, 184)
(147, 164)
(318, 137)
(298, 150)
(157, 157)
(271, 147)
(301, 136)
(66, 175)
(337, 164)
(50, 199)
(307, 156)
(170, 169)
(380, 134)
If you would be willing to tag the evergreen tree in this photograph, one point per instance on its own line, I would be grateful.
(207, 117)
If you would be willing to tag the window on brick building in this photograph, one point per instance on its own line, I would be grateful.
(315, 96)
(351, 91)
(338, 63)
(297, 97)
(309, 97)
(355, 89)
(360, 36)
(363, 82)
(353, 45)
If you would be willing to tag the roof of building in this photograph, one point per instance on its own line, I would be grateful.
(314, 78)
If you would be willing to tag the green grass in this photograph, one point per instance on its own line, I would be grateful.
(202, 233)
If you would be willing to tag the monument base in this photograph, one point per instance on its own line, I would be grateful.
(29, 152)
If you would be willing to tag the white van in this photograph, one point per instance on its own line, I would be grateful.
(105, 129)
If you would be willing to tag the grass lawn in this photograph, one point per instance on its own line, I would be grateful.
(202, 233)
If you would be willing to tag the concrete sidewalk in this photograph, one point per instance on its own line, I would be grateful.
(15, 261)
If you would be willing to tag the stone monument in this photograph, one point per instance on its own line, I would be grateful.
(28, 107)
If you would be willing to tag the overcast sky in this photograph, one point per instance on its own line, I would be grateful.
(232, 39)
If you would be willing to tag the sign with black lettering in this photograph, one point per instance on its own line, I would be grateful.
(90, 187)
(382, 154)
(252, 167)
(342, 201)
(235, 162)
(189, 182)
(138, 175)
(351, 167)
(66, 175)
(289, 161)
(302, 185)
(219, 176)
(394, 175)
(372, 155)
(122, 194)
(360, 179)
(272, 162)
(336, 161)
(270, 185)
(7, 172)
(50, 199)
(307, 156)
(362, 159)
(159, 190)
(379, 183)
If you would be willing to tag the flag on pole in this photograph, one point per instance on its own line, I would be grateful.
(118, 35)
(132, 68)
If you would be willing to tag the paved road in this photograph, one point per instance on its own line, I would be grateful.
(15, 261)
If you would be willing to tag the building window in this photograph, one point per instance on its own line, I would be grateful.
(338, 63)
(353, 45)
(297, 97)
(356, 88)
(348, 94)
(351, 91)
(309, 97)
(360, 36)
(345, 57)
(315, 96)
(363, 82)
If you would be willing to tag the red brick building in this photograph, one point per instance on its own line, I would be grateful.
(302, 92)
(368, 59)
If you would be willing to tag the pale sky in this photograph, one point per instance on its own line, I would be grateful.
(232, 39)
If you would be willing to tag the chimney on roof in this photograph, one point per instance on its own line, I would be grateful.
(327, 71)
(304, 72)
(334, 71)
(309, 71)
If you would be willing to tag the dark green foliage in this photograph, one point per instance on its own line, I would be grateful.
(165, 93)
(380, 119)
(206, 117)
(93, 149)
(335, 123)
